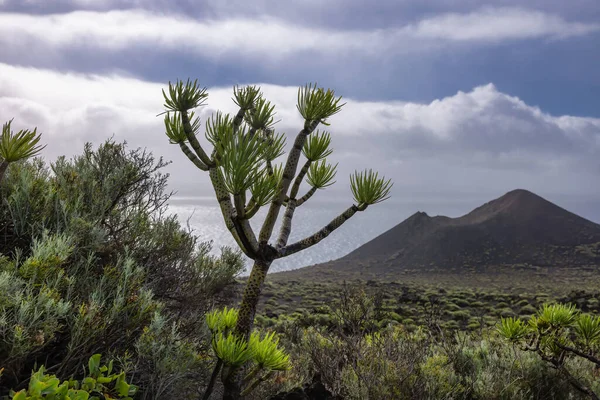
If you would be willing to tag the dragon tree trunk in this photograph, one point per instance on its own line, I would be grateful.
(250, 298)
(3, 167)
(247, 310)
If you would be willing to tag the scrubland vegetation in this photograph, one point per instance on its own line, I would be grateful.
(104, 295)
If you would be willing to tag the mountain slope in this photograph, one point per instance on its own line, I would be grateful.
(517, 228)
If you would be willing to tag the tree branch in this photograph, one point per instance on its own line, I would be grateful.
(580, 353)
(321, 234)
(238, 230)
(239, 200)
(286, 224)
(251, 209)
(191, 136)
(268, 133)
(307, 196)
(299, 178)
(286, 179)
(192, 157)
(238, 119)
(288, 215)
(576, 384)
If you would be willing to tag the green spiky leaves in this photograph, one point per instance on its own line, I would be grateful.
(317, 104)
(183, 97)
(222, 320)
(227, 346)
(233, 350)
(316, 146)
(267, 354)
(20, 145)
(265, 187)
(513, 329)
(368, 188)
(245, 97)
(321, 174)
(262, 115)
(557, 315)
(241, 159)
(587, 328)
(218, 128)
(556, 333)
(174, 127)
(274, 146)
(236, 351)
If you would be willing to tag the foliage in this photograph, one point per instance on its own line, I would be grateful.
(100, 382)
(90, 262)
(357, 358)
(557, 333)
(262, 356)
(18, 146)
(243, 175)
(368, 188)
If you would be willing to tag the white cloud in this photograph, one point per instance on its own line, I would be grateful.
(495, 24)
(270, 38)
(477, 140)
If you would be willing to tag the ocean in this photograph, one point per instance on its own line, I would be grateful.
(204, 217)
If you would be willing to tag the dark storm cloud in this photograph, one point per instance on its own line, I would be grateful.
(348, 14)
(416, 74)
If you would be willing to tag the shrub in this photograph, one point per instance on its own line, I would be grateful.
(90, 262)
(558, 333)
(100, 382)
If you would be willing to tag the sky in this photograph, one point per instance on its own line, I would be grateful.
(452, 99)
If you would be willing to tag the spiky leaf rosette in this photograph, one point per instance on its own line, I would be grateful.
(316, 146)
(317, 104)
(241, 157)
(265, 187)
(218, 128)
(557, 315)
(513, 329)
(233, 350)
(261, 117)
(174, 127)
(321, 174)
(183, 97)
(267, 354)
(368, 188)
(222, 320)
(587, 328)
(20, 145)
(274, 146)
(245, 97)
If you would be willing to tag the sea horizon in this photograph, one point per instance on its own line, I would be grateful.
(203, 216)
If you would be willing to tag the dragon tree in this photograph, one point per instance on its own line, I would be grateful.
(246, 176)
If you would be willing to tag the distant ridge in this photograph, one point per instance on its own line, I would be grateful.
(518, 228)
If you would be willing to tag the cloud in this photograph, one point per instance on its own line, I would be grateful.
(120, 30)
(478, 140)
(496, 24)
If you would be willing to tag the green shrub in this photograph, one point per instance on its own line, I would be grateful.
(562, 337)
(90, 262)
(100, 382)
(527, 309)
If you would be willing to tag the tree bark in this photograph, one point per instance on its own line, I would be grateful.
(3, 167)
(247, 310)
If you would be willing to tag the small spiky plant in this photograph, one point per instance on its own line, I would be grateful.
(17, 146)
(245, 177)
(556, 333)
(263, 355)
